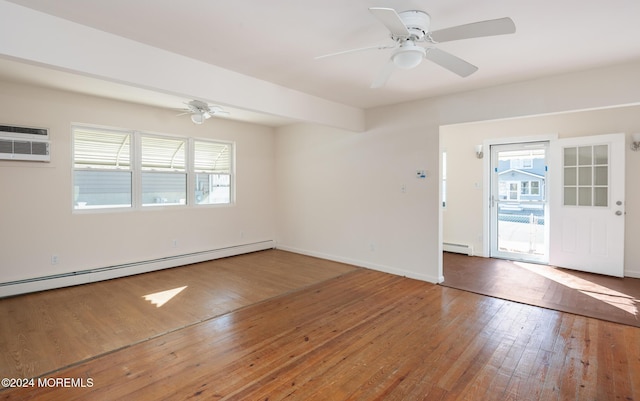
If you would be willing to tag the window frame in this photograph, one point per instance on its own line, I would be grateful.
(75, 204)
(136, 171)
(161, 170)
(230, 171)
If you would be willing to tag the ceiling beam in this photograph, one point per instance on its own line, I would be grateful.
(38, 38)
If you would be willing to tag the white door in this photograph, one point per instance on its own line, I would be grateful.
(587, 204)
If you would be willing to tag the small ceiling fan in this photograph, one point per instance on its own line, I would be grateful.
(200, 111)
(408, 28)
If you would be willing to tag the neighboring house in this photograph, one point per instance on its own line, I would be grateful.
(522, 180)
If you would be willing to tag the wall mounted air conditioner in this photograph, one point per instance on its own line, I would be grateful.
(24, 143)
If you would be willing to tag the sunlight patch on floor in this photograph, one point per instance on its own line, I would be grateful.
(614, 298)
(162, 297)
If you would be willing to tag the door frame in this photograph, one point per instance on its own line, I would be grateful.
(495, 202)
(486, 179)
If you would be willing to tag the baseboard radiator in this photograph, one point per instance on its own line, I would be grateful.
(106, 273)
(457, 248)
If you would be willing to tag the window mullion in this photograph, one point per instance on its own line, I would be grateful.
(136, 160)
(190, 171)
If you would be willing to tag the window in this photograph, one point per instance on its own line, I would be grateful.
(102, 168)
(444, 178)
(164, 173)
(535, 187)
(127, 169)
(212, 167)
(586, 176)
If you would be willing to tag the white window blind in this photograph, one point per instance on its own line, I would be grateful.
(101, 149)
(164, 154)
(212, 157)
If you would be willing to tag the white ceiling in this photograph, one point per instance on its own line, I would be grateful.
(277, 41)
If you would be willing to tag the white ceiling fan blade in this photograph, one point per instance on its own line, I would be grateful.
(450, 62)
(480, 29)
(221, 113)
(390, 18)
(384, 75)
(378, 47)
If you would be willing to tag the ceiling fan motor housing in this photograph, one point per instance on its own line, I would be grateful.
(417, 23)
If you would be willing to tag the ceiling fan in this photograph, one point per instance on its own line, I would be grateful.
(200, 111)
(408, 28)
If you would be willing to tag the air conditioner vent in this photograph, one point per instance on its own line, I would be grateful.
(23, 143)
(41, 132)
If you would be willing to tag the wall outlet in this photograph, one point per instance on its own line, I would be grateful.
(55, 259)
(174, 243)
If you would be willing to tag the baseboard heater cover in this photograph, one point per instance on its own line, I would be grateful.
(128, 269)
(457, 248)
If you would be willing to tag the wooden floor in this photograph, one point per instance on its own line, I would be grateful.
(603, 297)
(44, 331)
(360, 335)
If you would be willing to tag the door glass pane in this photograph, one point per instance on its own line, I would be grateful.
(521, 207)
(570, 198)
(570, 176)
(570, 158)
(584, 155)
(601, 154)
(601, 176)
(584, 176)
(584, 196)
(601, 196)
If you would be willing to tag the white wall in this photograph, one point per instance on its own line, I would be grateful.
(462, 219)
(341, 197)
(36, 216)
(317, 190)
(340, 191)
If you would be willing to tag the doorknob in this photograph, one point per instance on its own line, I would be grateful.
(618, 213)
(619, 203)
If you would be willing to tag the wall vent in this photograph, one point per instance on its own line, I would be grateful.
(24, 143)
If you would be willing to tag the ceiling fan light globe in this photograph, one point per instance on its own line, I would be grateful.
(197, 118)
(408, 56)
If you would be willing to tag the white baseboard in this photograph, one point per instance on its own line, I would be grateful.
(632, 273)
(110, 272)
(386, 269)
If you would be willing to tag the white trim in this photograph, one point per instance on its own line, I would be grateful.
(110, 272)
(632, 273)
(486, 176)
(373, 266)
